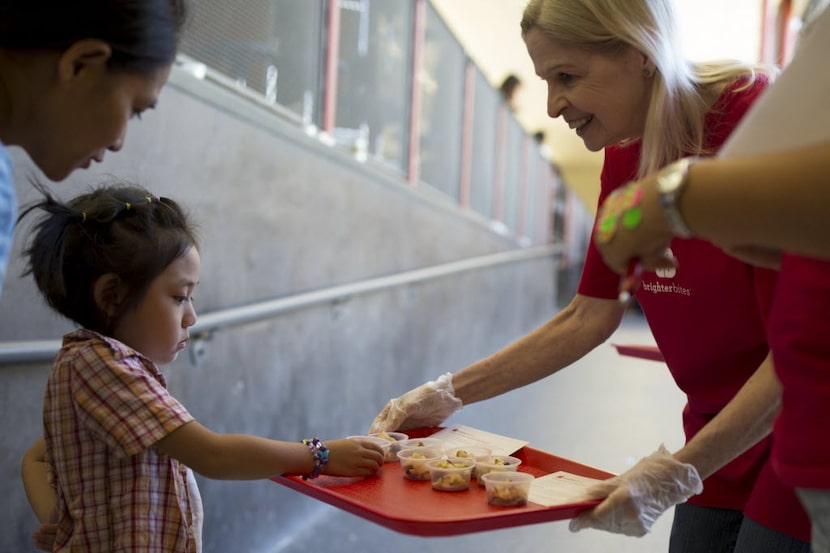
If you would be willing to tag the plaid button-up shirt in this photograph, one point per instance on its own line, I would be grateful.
(105, 406)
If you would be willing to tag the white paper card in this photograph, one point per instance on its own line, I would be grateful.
(795, 110)
(461, 436)
(559, 488)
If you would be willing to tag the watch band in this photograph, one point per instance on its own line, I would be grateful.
(671, 181)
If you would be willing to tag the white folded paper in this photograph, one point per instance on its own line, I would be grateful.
(795, 110)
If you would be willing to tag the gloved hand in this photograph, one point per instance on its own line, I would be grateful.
(637, 497)
(427, 405)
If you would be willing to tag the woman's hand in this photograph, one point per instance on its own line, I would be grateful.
(427, 405)
(635, 499)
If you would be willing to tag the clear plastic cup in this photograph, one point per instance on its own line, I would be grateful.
(434, 443)
(495, 463)
(469, 452)
(451, 474)
(507, 489)
(414, 461)
(394, 439)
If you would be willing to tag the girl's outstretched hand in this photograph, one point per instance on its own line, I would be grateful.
(352, 457)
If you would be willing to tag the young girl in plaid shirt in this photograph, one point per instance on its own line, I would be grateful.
(123, 264)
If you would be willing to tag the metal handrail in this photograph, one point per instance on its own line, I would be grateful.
(44, 350)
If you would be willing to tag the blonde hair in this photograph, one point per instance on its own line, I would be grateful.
(682, 92)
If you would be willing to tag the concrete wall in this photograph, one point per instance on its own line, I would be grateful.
(281, 214)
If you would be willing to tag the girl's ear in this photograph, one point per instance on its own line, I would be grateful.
(83, 55)
(108, 294)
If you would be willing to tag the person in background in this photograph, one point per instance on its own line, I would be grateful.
(771, 208)
(123, 264)
(615, 74)
(71, 75)
(510, 87)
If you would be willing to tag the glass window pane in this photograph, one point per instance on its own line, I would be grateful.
(514, 138)
(299, 26)
(441, 89)
(531, 199)
(560, 209)
(273, 47)
(373, 84)
(485, 123)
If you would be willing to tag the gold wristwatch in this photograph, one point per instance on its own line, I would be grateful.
(671, 180)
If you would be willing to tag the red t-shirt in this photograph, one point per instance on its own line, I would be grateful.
(799, 335)
(708, 318)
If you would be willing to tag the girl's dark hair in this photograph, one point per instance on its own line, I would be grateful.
(143, 34)
(117, 228)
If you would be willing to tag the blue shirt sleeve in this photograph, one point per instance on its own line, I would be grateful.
(8, 211)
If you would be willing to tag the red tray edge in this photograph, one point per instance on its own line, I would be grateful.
(445, 528)
(651, 353)
(496, 520)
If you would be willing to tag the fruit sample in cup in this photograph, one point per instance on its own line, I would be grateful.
(394, 438)
(420, 442)
(470, 452)
(450, 475)
(495, 463)
(507, 489)
(414, 462)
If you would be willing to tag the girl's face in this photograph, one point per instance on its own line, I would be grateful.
(604, 98)
(80, 118)
(157, 326)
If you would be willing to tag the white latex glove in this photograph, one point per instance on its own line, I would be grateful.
(427, 405)
(637, 497)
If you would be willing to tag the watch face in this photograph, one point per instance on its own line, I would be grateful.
(669, 187)
(671, 179)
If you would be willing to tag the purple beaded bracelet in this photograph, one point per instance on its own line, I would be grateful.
(321, 456)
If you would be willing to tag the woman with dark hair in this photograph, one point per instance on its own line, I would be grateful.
(71, 75)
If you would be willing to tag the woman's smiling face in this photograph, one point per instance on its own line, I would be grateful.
(603, 97)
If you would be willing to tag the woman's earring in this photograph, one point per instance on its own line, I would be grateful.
(646, 72)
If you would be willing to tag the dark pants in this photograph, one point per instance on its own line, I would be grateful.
(708, 530)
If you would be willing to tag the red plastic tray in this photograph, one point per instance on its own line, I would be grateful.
(413, 507)
(644, 352)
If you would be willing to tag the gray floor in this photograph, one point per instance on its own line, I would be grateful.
(606, 411)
